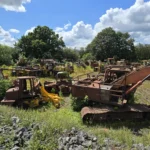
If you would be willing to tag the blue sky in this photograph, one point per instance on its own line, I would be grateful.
(77, 21)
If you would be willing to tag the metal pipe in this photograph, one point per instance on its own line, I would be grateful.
(133, 87)
(136, 85)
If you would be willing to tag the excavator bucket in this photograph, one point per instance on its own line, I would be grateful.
(50, 97)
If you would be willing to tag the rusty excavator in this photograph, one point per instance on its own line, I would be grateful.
(109, 98)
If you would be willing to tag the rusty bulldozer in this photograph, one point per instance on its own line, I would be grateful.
(109, 98)
(29, 92)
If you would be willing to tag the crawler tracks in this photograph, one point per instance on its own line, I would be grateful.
(109, 113)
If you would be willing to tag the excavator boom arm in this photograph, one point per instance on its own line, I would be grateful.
(133, 77)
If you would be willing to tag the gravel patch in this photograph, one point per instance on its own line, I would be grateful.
(16, 136)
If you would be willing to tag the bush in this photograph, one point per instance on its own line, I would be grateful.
(22, 60)
(6, 53)
(78, 104)
(87, 56)
(4, 85)
(34, 61)
(53, 90)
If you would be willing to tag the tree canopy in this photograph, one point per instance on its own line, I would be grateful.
(7, 55)
(109, 43)
(70, 54)
(142, 51)
(87, 56)
(43, 42)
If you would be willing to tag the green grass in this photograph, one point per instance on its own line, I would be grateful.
(54, 121)
(142, 94)
(80, 70)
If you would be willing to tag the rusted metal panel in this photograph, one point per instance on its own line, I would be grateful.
(105, 92)
(133, 77)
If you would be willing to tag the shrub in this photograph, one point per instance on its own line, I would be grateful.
(22, 60)
(78, 104)
(4, 85)
(53, 90)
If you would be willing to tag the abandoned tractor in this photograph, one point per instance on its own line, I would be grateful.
(109, 98)
(63, 83)
(29, 92)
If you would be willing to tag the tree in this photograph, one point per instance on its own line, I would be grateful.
(81, 52)
(70, 54)
(87, 56)
(142, 51)
(7, 54)
(41, 43)
(109, 43)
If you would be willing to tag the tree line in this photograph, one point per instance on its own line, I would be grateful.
(43, 42)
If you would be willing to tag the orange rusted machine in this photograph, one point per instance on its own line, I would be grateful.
(109, 98)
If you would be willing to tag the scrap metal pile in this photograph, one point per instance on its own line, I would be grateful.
(109, 94)
(46, 68)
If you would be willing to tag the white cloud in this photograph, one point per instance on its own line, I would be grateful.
(66, 26)
(80, 35)
(30, 30)
(14, 31)
(14, 5)
(6, 38)
(135, 20)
